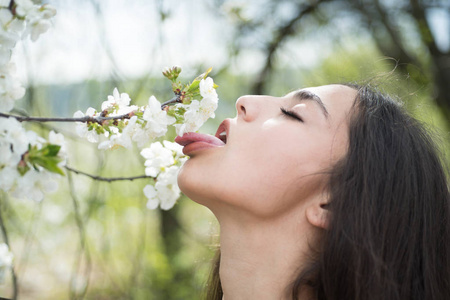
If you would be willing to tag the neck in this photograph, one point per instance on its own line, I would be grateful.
(261, 259)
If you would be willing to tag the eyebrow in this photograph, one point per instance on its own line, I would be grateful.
(307, 95)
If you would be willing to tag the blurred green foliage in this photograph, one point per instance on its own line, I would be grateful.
(96, 240)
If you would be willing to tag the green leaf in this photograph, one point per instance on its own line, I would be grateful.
(194, 85)
(49, 163)
(179, 119)
(203, 75)
(53, 150)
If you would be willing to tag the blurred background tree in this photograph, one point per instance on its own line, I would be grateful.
(96, 240)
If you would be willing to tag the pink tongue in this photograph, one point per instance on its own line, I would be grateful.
(192, 137)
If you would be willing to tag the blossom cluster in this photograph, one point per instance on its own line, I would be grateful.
(18, 19)
(119, 124)
(28, 163)
(197, 112)
(133, 123)
(163, 162)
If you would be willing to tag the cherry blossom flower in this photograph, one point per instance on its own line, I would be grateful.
(81, 128)
(156, 122)
(118, 103)
(13, 138)
(198, 112)
(10, 87)
(6, 260)
(163, 162)
(165, 192)
(121, 138)
(157, 158)
(35, 184)
(207, 88)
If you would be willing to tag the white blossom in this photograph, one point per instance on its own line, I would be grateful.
(207, 107)
(163, 162)
(152, 196)
(176, 148)
(157, 121)
(82, 128)
(165, 192)
(157, 158)
(192, 118)
(207, 88)
(120, 103)
(58, 139)
(15, 141)
(24, 7)
(35, 184)
(5, 54)
(10, 87)
(121, 138)
(38, 27)
(198, 112)
(13, 137)
(37, 17)
(167, 187)
(4, 3)
(6, 260)
(8, 177)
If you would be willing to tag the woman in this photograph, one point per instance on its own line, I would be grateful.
(330, 192)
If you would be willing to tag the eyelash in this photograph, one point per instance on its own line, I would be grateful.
(291, 114)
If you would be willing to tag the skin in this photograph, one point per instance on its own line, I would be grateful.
(266, 186)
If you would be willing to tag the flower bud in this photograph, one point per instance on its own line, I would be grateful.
(172, 73)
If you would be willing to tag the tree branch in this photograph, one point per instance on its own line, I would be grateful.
(418, 12)
(108, 179)
(281, 35)
(404, 56)
(85, 119)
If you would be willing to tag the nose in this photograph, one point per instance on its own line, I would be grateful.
(250, 106)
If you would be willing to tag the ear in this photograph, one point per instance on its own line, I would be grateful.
(318, 215)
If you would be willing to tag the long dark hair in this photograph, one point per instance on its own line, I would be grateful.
(389, 236)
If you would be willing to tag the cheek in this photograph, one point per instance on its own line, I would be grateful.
(270, 176)
(264, 175)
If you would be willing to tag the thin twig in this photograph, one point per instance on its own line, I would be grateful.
(6, 239)
(108, 179)
(280, 36)
(173, 100)
(86, 119)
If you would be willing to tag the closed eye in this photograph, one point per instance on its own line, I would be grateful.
(291, 114)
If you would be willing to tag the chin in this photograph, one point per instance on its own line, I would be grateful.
(191, 184)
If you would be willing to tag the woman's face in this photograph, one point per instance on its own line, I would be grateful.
(278, 151)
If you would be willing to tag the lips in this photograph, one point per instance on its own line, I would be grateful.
(223, 130)
(194, 142)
